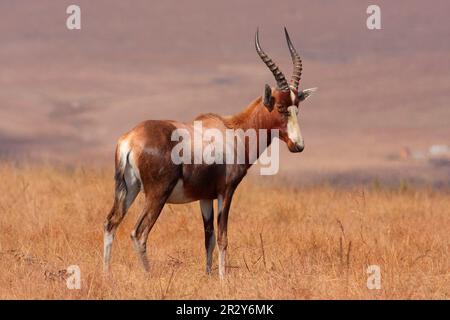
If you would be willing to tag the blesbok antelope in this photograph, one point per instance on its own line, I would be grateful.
(143, 162)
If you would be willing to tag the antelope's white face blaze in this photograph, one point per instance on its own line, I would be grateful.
(293, 127)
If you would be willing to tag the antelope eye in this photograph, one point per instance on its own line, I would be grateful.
(283, 110)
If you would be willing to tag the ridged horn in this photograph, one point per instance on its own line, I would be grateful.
(279, 77)
(297, 62)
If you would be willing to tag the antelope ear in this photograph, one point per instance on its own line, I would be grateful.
(268, 100)
(305, 94)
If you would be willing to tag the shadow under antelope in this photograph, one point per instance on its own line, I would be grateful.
(143, 163)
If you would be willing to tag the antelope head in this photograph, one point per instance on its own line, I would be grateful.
(283, 100)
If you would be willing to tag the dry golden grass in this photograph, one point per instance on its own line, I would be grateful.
(284, 242)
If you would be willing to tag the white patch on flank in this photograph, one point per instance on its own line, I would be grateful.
(178, 194)
(293, 127)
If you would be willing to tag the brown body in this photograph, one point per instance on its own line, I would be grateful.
(144, 163)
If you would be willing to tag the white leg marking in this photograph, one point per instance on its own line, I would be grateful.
(222, 254)
(206, 207)
(108, 238)
(293, 127)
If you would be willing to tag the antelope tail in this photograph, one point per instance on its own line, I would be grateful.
(122, 154)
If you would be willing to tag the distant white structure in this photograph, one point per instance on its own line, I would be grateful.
(439, 150)
(434, 151)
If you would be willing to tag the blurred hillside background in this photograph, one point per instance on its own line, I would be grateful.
(381, 113)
